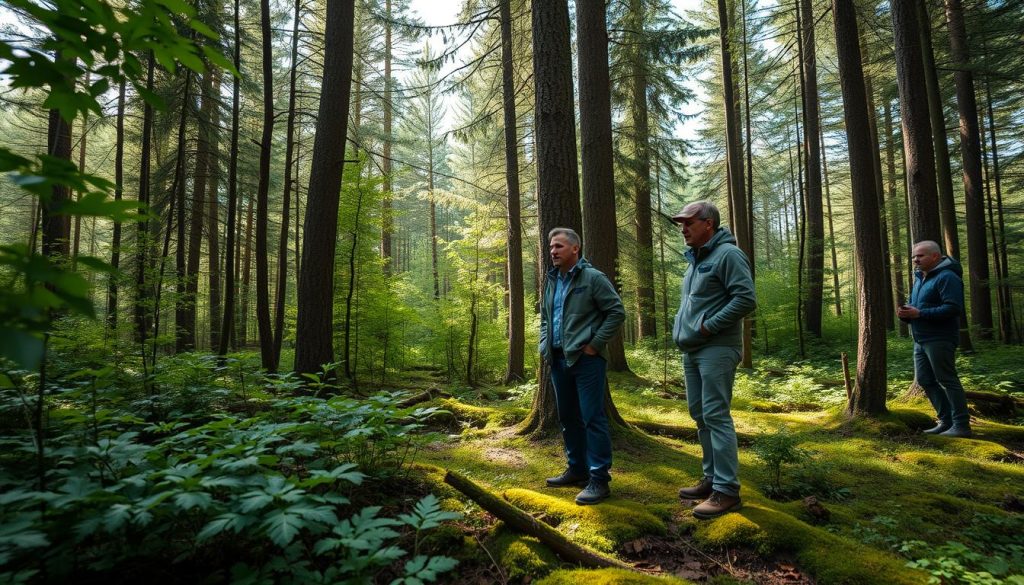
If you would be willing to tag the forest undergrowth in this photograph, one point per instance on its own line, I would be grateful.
(207, 470)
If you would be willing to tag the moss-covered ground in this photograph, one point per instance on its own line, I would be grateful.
(892, 494)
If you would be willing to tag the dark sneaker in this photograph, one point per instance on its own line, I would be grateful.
(593, 493)
(938, 429)
(697, 492)
(717, 505)
(957, 432)
(568, 478)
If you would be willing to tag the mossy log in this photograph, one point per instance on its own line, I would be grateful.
(523, 522)
(684, 433)
(1007, 403)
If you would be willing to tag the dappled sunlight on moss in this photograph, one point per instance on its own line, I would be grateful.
(520, 556)
(606, 577)
(604, 527)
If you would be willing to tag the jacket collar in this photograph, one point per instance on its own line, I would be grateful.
(580, 265)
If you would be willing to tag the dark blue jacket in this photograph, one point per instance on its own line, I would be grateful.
(940, 298)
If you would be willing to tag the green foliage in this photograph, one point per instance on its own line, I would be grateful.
(776, 450)
(278, 487)
(992, 557)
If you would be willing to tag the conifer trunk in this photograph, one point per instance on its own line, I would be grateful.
(515, 369)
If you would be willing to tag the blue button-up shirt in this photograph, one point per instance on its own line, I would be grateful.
(561, 290)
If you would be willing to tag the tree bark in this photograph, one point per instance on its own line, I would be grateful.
(387, 218)
(646, 320)
(918, 150)
(187, 327)
(1002, 269)
(227, 332)
(282, 250)
(213, 229)
(868, 395)
(115, 244)
(815, 235)
(515, 370)
(558, 192)
(180, 244)
(268, 357)
(246, 272)
(313, 344)
(601, 245)
(895, 218)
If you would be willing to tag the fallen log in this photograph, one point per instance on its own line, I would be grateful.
(1005, 402)
(523, 522)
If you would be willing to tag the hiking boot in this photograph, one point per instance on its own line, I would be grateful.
(717, 505)
(568, 478)
(701, 490)
(593, 493)
(938, 429)
(957, 432)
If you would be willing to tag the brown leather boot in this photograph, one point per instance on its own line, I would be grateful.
(699, 491)
(717, 505)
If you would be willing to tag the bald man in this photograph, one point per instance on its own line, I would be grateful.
(933, 313)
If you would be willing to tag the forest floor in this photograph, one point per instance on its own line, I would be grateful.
(890, 505)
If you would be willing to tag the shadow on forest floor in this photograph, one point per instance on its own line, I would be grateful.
(889, 494)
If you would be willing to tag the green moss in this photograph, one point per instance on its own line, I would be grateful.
(971, 448)
(521, 556)
(729, 530)
(474, 416)
(606, 577)
(604, 527)
(829, 558)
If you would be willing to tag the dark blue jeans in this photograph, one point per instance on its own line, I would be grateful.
(935, 370)
(579, 396)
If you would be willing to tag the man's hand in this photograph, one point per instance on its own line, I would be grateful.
(908, 312)
(589, 350)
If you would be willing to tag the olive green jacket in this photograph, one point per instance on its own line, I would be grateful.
(592, 313)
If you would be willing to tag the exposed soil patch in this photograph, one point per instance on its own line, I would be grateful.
(675, 554)
(510, 457)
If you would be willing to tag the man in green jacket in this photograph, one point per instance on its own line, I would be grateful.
(717, 292)
(580, 312)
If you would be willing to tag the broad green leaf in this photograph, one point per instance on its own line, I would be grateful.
(21, 347)
(282, 527)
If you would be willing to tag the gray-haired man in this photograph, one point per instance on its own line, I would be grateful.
(717, 292)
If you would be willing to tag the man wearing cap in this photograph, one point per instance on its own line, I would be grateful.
(580, 312)
(717, 292)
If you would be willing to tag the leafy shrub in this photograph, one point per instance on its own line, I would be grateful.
(119, 496)
(776, 450)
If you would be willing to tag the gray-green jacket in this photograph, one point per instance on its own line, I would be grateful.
(717, 291)
(592, 313)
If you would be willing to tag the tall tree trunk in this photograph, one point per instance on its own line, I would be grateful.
(812, 161)
(734, 156)
(918, 150)
(1002, 270)
(387, 217)
(876, 159)
(944, 181)
(869, 393)
(187, 327)
(213, 229)
(601, 245)
(227, 332)
(313, 344)
(246, 273)
(558, 191)
(268, 357)
(115, 244)
(56, 227)
(646, 320)
(515, 369)
(143, 310)
(895, 218)
(837, 295)
(82, 140)
(282, 250)
(181, 245)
